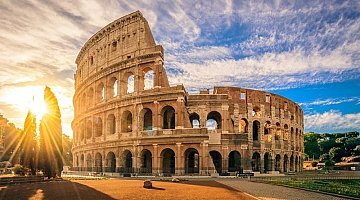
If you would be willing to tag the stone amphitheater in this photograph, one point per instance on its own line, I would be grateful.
(130, 121)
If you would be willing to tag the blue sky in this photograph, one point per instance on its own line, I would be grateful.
(307, 51)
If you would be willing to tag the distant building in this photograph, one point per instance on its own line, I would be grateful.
(129, 119)
(3, 124)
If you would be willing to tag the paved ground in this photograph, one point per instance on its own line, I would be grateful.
(119, 189)
(267, 191)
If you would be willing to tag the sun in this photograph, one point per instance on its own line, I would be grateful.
(38, 106)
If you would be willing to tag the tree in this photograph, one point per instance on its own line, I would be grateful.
(29, 144)
(311, 145)
(12, 136)
(51, 137)
(336, 153)
(67, 145)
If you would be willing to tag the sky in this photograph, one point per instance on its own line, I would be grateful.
(308, 51)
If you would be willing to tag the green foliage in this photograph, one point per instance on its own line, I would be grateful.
(331, 146)
(67, 145)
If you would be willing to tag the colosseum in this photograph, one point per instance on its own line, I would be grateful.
(129, 121)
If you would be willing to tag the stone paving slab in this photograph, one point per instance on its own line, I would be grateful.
(273, 192)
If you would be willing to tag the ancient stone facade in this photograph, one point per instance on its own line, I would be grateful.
(128, 119)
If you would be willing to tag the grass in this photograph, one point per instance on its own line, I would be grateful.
(342, 187)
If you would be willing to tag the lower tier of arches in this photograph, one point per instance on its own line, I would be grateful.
(185, 160)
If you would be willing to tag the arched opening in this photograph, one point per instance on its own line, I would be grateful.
(83, 103)
(127, 157)
(113, 87)
(243, 126)
(90, 97)
(148, 79)
(286, 132)
(267, 127)
(267, 162)
(168, 162)
(88, 163)
(217, 160)
(100, 92)
(168, 114)
(278, 131)
(110, 162)
(88, 129)
(256, 128)
(146, 162)
(98, 162)
(234, 162)
(111, 124)
(277, 162)
(256, 112)
(192, 161)
(296, 164)
(130, 84)
(82, 162)
(213, 120)
(126, 122)
(99, 127)
(83, 131)
(285, 163)
(147, 119)
(255, 163)
(194, 120)
(292, 163)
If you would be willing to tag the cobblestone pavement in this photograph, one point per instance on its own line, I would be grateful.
(272, 192)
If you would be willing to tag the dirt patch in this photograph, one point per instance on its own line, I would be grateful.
(119, 189)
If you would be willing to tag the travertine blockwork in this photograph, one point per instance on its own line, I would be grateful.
(128, 119)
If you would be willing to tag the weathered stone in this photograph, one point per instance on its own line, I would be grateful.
(147, 184)
(129, 119)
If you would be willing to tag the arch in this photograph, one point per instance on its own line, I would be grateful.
(285, 165)
(111, 124)
(192, 161)
(113, 87)
(130, 83)
(128, 164)
(286, 132)
(213, 120)
(88, 129)
(98, 162)
(83, 131)
(168, 162)
(83, 102)
(146, 162)
(148, 79)
(256, 129)
(194, 120)
(243, 126)
(267, 162)
(217, 160)
(90, 97)
(147, 119)
(98, 127)
(82, 162)
(278, 131)
(88, 162)
(296, 164)
(100, 92)
(168, 114)
(292, 163)
(255, 163)
(277, 162)
(256, 112)
(234, 162)
(111, 162)
(267, 126)
(126, 122)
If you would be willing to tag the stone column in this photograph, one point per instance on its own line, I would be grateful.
(204, 159)
(156, 160)
(178, 158)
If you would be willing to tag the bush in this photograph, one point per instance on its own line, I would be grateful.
(19, 169)
(314, 164)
